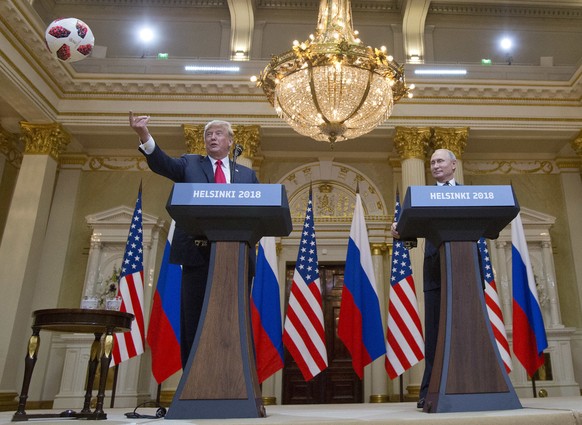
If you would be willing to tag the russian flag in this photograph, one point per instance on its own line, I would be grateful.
(266, 311)
(164, 327)
(529, 335)
(360, 320)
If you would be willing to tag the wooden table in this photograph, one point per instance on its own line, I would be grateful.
(74, 320)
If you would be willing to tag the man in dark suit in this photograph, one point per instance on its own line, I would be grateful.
(443, 164)
(193, 252)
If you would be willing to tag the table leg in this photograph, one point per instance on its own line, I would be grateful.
(29, 362)
(91, 371)
(105, 361)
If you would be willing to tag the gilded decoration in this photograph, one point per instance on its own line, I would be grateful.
(453, 139)
(121, 163)
(509, 167)
(333, 196)
(412, 142)
(577, 144)
(44, 139)
(248, 136)
(8, 147)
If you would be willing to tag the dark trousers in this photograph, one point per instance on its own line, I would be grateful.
(432, 312)
(192, 299)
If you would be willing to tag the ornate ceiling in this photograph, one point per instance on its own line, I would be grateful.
(531, 107)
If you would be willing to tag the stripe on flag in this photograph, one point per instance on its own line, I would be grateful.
(304, 334)
(404, 338)
(493, 306)
(529, 335)
(266, 311)
(360, 319)
(131, 344)
(164, 326)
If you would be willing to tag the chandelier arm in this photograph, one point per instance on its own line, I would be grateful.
(314, 93)
(364, 97)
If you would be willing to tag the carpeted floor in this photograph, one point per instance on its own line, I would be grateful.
(539, 411)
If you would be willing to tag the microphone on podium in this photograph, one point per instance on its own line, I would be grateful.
(238, 149)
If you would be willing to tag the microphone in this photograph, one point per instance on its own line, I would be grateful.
(238, 149)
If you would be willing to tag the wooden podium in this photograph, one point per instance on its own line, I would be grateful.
(468, 373)
(220, 379)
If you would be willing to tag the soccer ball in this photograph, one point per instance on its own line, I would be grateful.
(69, 39)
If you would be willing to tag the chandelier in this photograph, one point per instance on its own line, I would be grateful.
(331, 87)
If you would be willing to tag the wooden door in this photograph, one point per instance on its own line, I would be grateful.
(338, 383)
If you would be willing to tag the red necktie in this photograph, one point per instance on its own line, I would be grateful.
(219, 176)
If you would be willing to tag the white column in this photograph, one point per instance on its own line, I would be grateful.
(92, 273)
(502, 279)
(379, 376)
(413, 175)
(550, 278)
(19, 253)
(50, 274)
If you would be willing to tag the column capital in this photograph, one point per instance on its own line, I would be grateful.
(577, 144)
(9, 146)
(453, 139)
(194, 138)
(412, 142)
(247, 136)
(44, 139)
(378, 248)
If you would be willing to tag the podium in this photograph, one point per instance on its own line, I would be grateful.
(220, 378)
(468, 373)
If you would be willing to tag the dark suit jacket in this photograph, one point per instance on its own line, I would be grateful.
(187, 249)
(432, 265)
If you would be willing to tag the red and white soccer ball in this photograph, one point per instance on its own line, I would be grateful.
(69, 39)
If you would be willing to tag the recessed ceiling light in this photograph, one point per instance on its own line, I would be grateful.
(440, 71)
(202, 68)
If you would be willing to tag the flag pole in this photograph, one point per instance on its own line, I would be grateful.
(533, 386)
(401, 388)
(158, 394)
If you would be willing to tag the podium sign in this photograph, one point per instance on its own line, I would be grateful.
(220, 378)
(231, 212)
(468, 373)
(457, 213)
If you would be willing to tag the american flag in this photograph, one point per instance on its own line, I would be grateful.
(304, 334)
(131, 344)
(404, 340)
(493, 306)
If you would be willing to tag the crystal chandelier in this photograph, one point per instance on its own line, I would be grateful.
(331, 87)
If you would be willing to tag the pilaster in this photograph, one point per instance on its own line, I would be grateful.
(412, 145)
(379, 377)
(22, 243)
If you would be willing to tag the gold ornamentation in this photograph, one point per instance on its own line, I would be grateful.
(117, 163)
(331, 87)
(379, 398)
(325, 188)
(453, 139)
(33, 344)
(508, 167)
(194, 135)
(577, 144)
(269, 400)
(76, 159)
(107, 346)
(378, 248)
(44, 139)
(412, 142)
(248, 136)
(8, 147)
